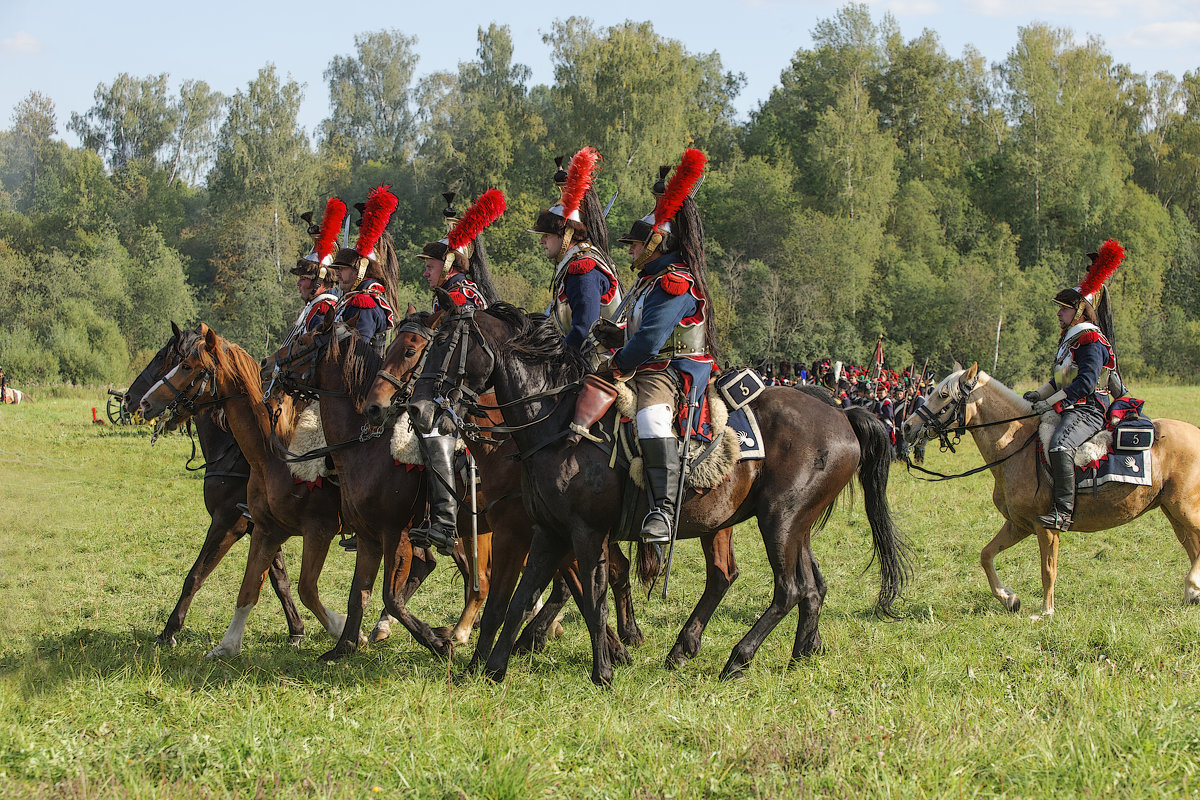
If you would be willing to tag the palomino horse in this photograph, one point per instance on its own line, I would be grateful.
(1002, 426)
(225, 476)
(217, 370)
(501, 490)
(812, 452)
(380, 499)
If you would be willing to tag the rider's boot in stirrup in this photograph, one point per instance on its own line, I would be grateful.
(442, 530)
(1062, 469)
(660, 460)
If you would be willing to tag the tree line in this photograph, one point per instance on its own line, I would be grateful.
(884, 187)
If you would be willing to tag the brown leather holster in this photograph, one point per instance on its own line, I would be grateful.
(595, 399)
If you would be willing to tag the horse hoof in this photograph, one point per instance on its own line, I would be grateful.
(168, 641)
(495, 675)
(635, 639)
(557, 630)
(676, 661)
(1191, 597)
(379, 634)
(336, 654)
(295, 639)
(1045, 616)
(220, 651)
(1014, 604)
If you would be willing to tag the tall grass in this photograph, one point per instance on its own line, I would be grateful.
(956, 699)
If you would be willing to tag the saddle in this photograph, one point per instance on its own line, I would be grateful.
(1118, 453)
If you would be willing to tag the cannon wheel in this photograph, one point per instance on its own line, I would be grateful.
(118, 413)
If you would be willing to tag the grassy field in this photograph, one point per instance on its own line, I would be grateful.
(958, 698)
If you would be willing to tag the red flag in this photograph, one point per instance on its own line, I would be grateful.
(878, 356)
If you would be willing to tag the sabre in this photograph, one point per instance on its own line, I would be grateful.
(471, 477)
(611, 200)
(684, 471)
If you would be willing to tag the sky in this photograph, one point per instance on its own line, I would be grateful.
(64, 48)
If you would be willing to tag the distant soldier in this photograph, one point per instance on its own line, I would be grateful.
(367, 272)
(315, 278)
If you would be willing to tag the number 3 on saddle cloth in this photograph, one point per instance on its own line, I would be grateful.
(1119, 453)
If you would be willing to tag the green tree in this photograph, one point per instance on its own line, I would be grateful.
(133, 118)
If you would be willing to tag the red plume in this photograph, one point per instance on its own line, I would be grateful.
(380, 205)
(486, 210)
(690, 168)
(331, 226)
(579, 179)
(1110, 257)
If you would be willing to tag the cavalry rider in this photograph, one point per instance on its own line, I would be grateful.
(669, 346)
(367, 270)
(458, 264)
(574, 237)
(884, 408)
(315, 277)
(1085, 370)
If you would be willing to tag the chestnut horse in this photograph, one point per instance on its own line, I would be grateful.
(812, 452)
(501, 490)
(1002, 425)
(380, 499)
(225, 476)
(221, 372)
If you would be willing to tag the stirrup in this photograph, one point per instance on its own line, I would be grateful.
(433, 536)
(1056, 520)
(349, 543)
(653, 537)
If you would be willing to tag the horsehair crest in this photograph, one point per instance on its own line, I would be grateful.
(375, 217)
(486, 210)
(1110, 257)
(579, 180)
(331, 226)
(691, 167)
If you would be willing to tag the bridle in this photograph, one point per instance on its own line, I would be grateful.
(300, 385)
(404, 388)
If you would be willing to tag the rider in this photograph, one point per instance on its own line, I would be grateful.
(367, 272)
(669, 346)
(458, 264)
(315, 278)
(574, 237)
(1085, 369)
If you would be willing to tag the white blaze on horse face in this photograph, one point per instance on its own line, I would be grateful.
(147, 401)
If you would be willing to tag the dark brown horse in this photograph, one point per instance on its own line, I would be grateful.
(215, 370)
(380, 499)
(812, 452)
(225, 476)
(500, 480)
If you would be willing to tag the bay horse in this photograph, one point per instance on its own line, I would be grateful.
(219, 371)
(500, 482)
(574, 498)
(381, 500)
(1002, 425)
(226, 473)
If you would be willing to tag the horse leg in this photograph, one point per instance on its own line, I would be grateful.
(618, 578)
(312, 561)
(397, 557)
(545, 553)
(258, 560)
(720, 573)
(808, 635)
(1187, 530)
(533, 638)
(1006, 537)
(222, 533)
(283, 590)
(421, 566)
(472, 600)
(367, 556)
(591, 554)
(1048, 545)
(785, 541)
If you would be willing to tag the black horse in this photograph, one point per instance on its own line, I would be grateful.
(812, 452)
(226, 473)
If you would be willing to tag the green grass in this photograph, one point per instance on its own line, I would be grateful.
(956, 699)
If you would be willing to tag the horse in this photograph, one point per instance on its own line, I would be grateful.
(812, 452)
(1003, 427)
(225, 475)
(501, 492)
(380, 500)
(15, 397)
(281, 508)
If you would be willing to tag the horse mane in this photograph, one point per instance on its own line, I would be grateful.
(360, 366)
(247, 374)
(537, 340)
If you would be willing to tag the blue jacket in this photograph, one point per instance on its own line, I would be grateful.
(662, 312)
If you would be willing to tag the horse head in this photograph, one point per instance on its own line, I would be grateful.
(189, 372)
(402, 363)
(949, 403)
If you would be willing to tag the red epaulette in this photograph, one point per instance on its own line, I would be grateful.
(581, 265)
(1087, 337)
(675, 283)
(362, 300)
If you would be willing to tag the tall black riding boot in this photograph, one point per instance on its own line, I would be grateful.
(443, 500)
(1062, 469)
(661, 463)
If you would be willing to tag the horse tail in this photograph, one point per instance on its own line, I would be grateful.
(890, 548)
(649, 564)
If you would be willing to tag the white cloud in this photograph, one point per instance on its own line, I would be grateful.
(1165, 34)
(21, 44)
(914, 8)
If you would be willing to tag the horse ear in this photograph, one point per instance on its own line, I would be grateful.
(210, 337)
(972, 373)
(957, 366)
(444, 299)
(175, 330)
(411, 310)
